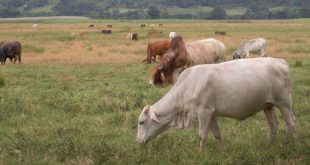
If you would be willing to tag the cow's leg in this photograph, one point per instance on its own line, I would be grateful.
(272, 122)
(204, 122)
(289, 118)
(247, 54)
(217, 133)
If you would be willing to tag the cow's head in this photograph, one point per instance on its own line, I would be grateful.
(150, 125)
(236, 55)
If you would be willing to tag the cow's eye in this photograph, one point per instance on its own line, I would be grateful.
(141, 122)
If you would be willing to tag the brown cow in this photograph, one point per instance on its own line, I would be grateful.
(109, 26)
(142, 25)
(181, 56)
(11, 50)
(158, 48)
(106, 31)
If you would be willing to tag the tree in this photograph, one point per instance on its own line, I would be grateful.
(153, 12)
(218, 13)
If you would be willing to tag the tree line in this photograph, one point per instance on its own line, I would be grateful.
(144, 9)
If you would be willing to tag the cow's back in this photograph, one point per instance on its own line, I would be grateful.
(237, 89)
(206, 51)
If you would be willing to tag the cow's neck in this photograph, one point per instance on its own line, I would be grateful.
(167, 106)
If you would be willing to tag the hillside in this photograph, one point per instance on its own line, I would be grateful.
(145, 9)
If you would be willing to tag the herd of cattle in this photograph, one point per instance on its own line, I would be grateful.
(206, 87)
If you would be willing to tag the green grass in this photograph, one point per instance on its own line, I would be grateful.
(88, 114)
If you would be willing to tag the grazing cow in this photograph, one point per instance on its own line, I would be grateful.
(109, 26)
(91, 26)
(204, 92)
(35, 25)
(181, 56)
(11, 50)
(158, 48)
(106, 31)
(132, 36)
(220, 33)
(142, 25)
(172, 35)
(251, 46)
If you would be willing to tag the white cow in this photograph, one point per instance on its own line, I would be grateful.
(251, 46)
(207, 91)
(172, 35)
(35, 25)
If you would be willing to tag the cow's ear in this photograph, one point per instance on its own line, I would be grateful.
(146, 109)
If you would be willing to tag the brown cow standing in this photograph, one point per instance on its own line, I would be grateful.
(11, 50)
(158, 48)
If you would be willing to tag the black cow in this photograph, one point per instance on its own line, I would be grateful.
(11, 50)
(106, 31)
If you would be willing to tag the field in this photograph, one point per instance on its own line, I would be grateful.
(76, 99)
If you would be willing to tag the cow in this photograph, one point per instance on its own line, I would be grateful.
(35, 25)
(91, 26)
(181, 56)
(132, 36)
(158, 48)
(142, 25)
(109, 26)
(11, 50)
(172, 35)
(251, 46)
(220, 33)
(106, 31)
(204, 92)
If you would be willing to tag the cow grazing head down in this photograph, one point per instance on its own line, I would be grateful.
(149, 125)
(174, 61)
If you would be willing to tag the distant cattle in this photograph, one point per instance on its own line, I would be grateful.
(11, 50)
(172, 35)
(154, 33)
(91, 26)
(35, 25)
(142, 25)
(258, 45)
(79, 34)
(220, 33)
(158, 48)
(132, 36)
(106, 31)
(181, 56)
(109, 26)
(204, 92)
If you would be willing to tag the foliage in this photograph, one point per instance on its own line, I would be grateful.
(218, 13)
(153, 12)
(137, 9)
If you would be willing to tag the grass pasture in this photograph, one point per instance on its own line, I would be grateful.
(76, 99)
